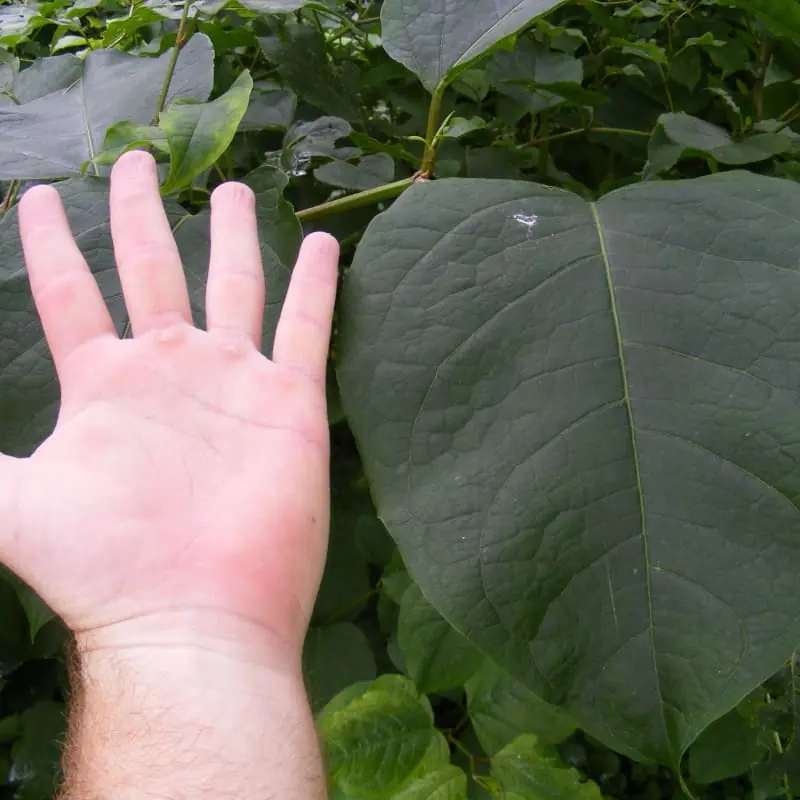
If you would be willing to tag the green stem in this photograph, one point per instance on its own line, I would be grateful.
(789, 117)
(579, 131)
(790, 111)
(665, 81)
(10, 197)
(544, 150)
(180, 41)
(434, 111)
(760, 77)
(386, 192)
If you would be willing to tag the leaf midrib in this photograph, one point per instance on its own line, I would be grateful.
(635, 452)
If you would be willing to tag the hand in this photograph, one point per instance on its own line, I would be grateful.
(187, 475)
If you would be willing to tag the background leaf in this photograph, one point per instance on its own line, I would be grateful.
(377, 739)
(199, 133)
(434, 38)
(53, 135)
(437, 657)
(335, 657)
(502, 709)
(528, 771)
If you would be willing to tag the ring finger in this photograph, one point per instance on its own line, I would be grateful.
(235, 290)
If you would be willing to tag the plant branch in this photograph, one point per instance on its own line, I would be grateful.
(578, 131)
(386, 192)
(10, 196)
(434, 111)
(180, 41)
(788, 117)
(760, 77)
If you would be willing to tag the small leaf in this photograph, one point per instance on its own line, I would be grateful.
(36, 754)
(36, 610)
(274, 6)
(271, 106)
(437, 657)
(680, 135)
(459, 126)
(501, 709)
(444, 783)
(124, 136)
(199, 133)
(647, 50)
(533, 771)
(299, 54)
(335, 657)
(377, 739)
(370, 172)
(728, 747)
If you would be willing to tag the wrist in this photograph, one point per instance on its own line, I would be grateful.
(226, 638)
(194, 706)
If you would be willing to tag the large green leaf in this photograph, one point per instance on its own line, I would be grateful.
(28, 388)
(52, 135)
(436, 38)
(199, 133)
(579, 422)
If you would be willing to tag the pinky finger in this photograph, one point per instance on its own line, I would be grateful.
(303, 336)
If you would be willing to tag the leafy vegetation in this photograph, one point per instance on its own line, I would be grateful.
(564, 387)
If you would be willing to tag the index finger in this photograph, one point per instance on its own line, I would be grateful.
(302, 339)
(67, 297)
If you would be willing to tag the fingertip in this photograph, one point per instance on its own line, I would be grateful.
(322, 243)
(319, 255)
(40, 196)
(233, 195)
(132, 164)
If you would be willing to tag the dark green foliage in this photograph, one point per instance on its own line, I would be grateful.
(564, 386)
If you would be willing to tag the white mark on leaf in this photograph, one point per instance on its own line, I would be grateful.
(528, 221)
(300, 161)
(611, 595)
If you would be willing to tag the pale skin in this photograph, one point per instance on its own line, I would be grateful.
(177, 517)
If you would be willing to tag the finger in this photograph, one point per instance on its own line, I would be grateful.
(147, 257)
(235, 289)
(304, 330)
(69, 302)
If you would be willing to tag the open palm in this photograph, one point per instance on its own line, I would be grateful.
(187, 473)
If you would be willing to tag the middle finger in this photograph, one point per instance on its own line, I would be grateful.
(147, 257)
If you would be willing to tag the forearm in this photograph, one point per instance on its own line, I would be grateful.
(177, 716)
